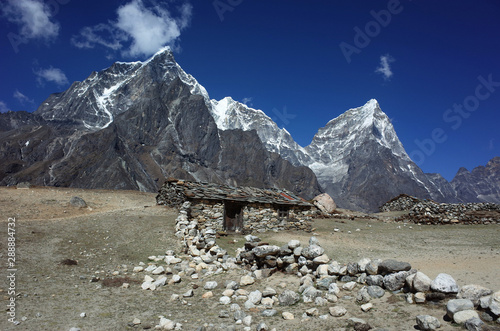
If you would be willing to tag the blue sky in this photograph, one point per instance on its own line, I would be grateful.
(432, 65)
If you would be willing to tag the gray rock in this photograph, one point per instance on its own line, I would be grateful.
(395, 281)
(375, 280)
(324, 283)
(189, 293)
(269, 312)
(223, 314)
(252, 239)
(473, 292)
(239, 315)
(288, 298)
(362, 264)
(363, 296)
(322, 259)
(372, 267)
(390, 266)
(314, 241)
(262, 327)
(310, 294)
(247, 320)
(444, 283)
(375, 291)
(292, 244)
(224, 300)
(456, 305)
(265, 250)
(334, 268)
(474, 324)
(232, 285)
(78, 202)
(352, 268)
(427, 322)
(421, 282)
(494, 303)
(268, 292)
(337, 311)
(464, 315)
(255, 297)
(319, 301)
(246, 280)
(210, 285)
(349, 286)
(334, 289)
(312, 251)
(420, 297)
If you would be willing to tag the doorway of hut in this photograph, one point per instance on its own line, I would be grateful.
(233, 216)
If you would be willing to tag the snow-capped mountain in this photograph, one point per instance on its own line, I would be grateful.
(132, 125)
(95, 102)
(357, 157)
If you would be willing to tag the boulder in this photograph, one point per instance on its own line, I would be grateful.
(337, 311)
(444, 283)
(265, 250)
(463, 316)
(78, 202)
(474, 324)
(427, 322)
(325, 203)
(292, 244)
(312, 251)
(473, 292)
(391, 266)
(310, 294)
(494, 303)
(421, 282)
(395, 281)
(375, 291)
(456, 305)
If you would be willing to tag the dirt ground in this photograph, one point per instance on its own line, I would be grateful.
(120, 229)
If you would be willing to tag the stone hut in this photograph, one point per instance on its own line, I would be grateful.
(238, 209)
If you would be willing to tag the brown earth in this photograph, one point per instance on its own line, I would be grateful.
(122, 228)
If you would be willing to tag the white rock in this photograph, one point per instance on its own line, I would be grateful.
(349, 286)
(462, 316)
(158, 271)
(83, 315)
(287, 315)
(444, 283)
(224, 300)
(337, 311)
(138, 269)
(366, 307)
(255, 297)
(246, 280)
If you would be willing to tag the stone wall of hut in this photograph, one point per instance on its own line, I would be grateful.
(256, 217)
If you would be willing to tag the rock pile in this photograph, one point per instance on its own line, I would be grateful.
(430, 212)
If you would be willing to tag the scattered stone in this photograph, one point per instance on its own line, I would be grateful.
(255, 297)
(269, 312)
(210, 285)
(444, 283)
(312, 312)
(207, 295)
(78, 202)
(337, 311)
(287, 316)
(427, 322)
(246, 280)
(288, 298)
(366, 307)
(189, 293)
(247, 320)
(224, 300)
(262, 327)
(268, 292)
(420, 297)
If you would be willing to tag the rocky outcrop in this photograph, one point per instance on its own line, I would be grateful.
(480, 184)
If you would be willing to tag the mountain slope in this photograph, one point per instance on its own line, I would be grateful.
(480, 184)
(130, 126)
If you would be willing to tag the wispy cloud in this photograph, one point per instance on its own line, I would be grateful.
(247, 101)
(51, 74)
(385, 66)
(491, 145)
(23, 100)
(34, 18)
(3, 107)
(139, 30)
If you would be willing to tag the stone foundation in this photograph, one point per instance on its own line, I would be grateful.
(256, 217)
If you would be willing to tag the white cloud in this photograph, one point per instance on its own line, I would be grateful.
(33, 17)
(3, 107)
(139, 30)
(22, 98)
(247, 101)
(385, 66)
(51, 74)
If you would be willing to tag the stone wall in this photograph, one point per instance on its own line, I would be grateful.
(256, 217)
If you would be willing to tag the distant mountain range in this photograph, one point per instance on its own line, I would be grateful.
(134, 124)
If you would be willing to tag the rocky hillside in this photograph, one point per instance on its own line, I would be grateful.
(480, 184)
